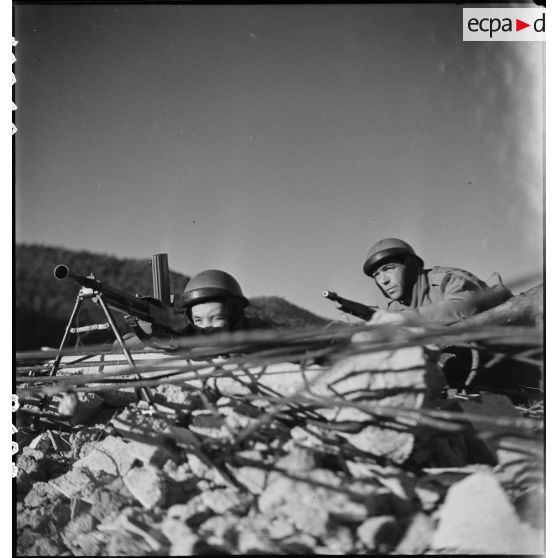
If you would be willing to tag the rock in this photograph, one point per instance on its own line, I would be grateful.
(227, 500)
(477, 517)
(252, 478)
(127, 544)
(44, 510)
(111, 456)
(220, 531)
(299, 543)
(418, 535)
(279, 528)
(383, 442)
(310, 507)
(52, 546)
(250, 541)
(201, 470)
(110, 500)
(74, 482)
(405, 378)
(380, 533)
(90, 544)
(29, 469)
(179, 535)
(194, 513)
(147, 485)
(149, 453)
(339, 540)
(83, 523)
(429, 494)
(208, 424)
(298, 461)
(174, 393)
(40, 494)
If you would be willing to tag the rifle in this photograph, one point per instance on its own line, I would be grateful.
(357, 309)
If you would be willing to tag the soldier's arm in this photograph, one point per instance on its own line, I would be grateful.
(458, 302)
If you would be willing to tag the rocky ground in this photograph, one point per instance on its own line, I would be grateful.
(213, 477)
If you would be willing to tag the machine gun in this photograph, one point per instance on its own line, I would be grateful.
(160, 313)
(357, 309)
(158, 310)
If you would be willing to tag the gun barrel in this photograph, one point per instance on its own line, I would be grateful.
(357, 309)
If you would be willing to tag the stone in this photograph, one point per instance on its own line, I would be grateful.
(40, 494)
(74, 482)
(310, 506)
(111, 456)
(208, 424)
(227, 500)
(47, 547)
(109, 500)
(477, 517)
(201, 470)
(90, 544)
(250, 541)
(147, 485)
(127, 544)
(339, 540)
(429, 494)
(179, 534)
(418, 535)
(384, 442)
(148, 452)
(83, 523)
(405, 378)
(252, 478)
(220, 531)
(46, 513)
(380, 533)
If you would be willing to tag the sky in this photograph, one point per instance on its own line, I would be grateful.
(279, 142)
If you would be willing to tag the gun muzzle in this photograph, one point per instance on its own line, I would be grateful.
(61, 271)
(329, 294)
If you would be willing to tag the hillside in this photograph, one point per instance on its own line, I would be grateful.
(43, 304)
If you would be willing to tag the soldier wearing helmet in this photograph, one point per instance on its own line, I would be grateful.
(214, 302)
(440, 294)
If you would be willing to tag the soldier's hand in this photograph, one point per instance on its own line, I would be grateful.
(383, 317)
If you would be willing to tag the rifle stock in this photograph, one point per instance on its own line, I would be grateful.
(149, 309)
(352, 307)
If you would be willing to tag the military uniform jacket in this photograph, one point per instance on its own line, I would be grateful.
(444, 295)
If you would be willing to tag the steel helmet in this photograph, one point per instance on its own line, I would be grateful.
(385, 249)
(212, 284)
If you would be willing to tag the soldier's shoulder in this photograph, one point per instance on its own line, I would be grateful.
(439, 275)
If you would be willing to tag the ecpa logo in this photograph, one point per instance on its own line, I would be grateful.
(503, 24)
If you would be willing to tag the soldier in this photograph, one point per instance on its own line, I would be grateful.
(442, 294)
(214, 302)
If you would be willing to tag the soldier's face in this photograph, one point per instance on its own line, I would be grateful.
(210, 317)
(390, 278)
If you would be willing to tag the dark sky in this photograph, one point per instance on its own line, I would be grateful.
(278, 142)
